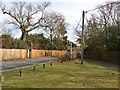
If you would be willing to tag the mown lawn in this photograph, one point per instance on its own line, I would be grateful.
(62, 75)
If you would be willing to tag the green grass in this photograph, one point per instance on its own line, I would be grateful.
(62, 75)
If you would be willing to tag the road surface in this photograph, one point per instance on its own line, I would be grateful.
(11, 65)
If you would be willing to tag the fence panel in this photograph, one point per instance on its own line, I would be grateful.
(38, 53)
(12, 54)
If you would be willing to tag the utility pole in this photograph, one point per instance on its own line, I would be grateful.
(71, 50)
(82, 43)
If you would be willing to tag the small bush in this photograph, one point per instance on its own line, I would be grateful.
(65, 57)
(21, 44)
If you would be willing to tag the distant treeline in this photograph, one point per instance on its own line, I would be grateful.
(34, 41)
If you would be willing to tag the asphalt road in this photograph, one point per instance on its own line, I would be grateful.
(11, 65)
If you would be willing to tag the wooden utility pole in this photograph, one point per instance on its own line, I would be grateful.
(82, 43)
(71, 50)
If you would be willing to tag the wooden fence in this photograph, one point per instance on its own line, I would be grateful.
(12, 54)
(38, 53)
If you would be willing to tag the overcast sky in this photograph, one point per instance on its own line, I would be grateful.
(71, 9)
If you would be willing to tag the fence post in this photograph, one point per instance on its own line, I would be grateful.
(20, 72)
(44, 65)
(34, 68)
(50, 63)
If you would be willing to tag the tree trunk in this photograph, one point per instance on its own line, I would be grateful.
(24, 36)
(51, 39)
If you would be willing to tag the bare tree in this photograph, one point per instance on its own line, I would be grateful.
(108, 17)
(25, 16)
(108, 13)
(79, 35)
(55, 25)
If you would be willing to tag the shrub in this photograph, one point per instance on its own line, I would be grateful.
(21, 44)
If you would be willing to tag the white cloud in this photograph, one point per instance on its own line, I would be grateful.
(24, 0)
(1, 17)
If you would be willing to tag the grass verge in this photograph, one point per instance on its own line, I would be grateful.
(62, 75)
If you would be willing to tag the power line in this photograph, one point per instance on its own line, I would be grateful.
(117, 2)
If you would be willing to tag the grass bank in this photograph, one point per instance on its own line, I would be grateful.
(62, 75)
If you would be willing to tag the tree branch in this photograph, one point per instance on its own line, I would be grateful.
(4, 12)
